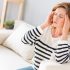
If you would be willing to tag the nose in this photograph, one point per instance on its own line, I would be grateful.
(54, 25)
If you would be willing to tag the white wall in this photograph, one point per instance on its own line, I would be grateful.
(36, 11)
(1, 4)
(12, 10)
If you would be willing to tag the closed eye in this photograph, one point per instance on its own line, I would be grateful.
(58, 15)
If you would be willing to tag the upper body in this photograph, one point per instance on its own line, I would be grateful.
(52, 36)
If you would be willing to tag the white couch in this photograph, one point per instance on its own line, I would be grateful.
(15, 55)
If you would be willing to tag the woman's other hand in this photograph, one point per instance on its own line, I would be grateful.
(66, 28)
(48, 22)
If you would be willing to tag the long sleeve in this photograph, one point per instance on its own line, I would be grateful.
(62, 53)
(32, 35)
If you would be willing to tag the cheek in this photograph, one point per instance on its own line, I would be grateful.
(61, 21)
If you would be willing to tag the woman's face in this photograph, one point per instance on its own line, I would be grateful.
(58, 18)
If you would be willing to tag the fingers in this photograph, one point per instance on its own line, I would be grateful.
(66, 27)
(67, 22)
(50, 17)
(48, 21)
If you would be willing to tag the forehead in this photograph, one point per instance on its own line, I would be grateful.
(60, 10)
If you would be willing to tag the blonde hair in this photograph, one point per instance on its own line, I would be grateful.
(65, 5)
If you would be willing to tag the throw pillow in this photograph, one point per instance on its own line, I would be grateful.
(14, 42)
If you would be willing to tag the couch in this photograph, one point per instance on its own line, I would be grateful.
(15, 55)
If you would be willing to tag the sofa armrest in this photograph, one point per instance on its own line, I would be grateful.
(51, 65)
(4, 33)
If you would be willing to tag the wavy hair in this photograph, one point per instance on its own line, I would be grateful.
(65, 5)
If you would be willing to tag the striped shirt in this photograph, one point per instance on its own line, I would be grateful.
(44, 48)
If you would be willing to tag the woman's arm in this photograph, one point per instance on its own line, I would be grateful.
(62, 52)
(32, 35)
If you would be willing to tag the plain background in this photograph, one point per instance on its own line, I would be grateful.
(34, 11)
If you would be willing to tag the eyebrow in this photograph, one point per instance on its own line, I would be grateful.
(59, 14)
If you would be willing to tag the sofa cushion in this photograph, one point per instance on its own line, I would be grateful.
(10, 60)
(14, 42)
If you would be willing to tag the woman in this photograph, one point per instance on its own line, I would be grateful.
(51, 37)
